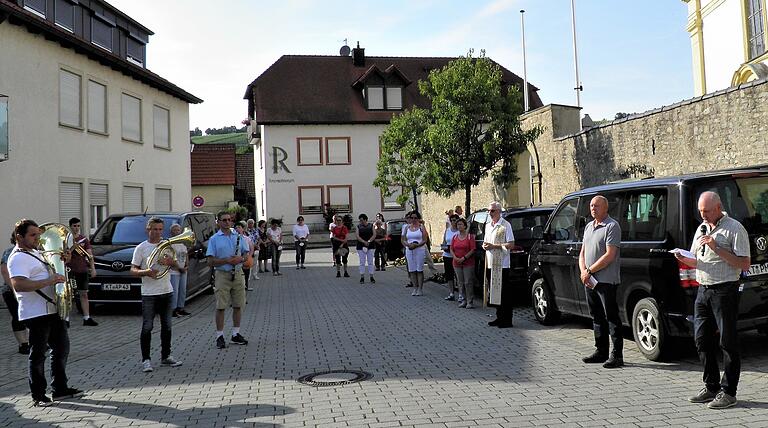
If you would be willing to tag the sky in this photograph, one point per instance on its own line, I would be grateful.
(633, 56)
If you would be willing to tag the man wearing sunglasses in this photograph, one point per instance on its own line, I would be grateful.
(497, 244)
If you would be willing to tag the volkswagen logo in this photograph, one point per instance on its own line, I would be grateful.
(118, 265)
(761, 243)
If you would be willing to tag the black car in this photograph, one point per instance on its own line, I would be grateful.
(394, 248)
(527, 226)
(113, 244)
(657, 293)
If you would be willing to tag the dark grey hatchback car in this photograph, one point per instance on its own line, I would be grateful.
(113, 244)
(657, 293)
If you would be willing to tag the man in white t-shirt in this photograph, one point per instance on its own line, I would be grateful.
(33, 282)
(156, 296)
(498, 242)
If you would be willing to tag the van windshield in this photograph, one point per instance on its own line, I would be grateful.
(130, 230)
(744, 199)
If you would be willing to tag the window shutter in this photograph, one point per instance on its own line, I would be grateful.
(69, 98)
(97, 105)
(133, 199)
(163, 199)
(161, 127)
(98, 194)
(70, 201)
(131, 118)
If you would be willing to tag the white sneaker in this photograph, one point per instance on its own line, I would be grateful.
(146, 366)
(413, 293)
(170, 361)
(418, 292)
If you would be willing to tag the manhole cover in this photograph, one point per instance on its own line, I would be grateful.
(334, 377)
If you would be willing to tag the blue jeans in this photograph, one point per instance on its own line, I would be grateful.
(179, 283)
(717, 308)
(161, 305)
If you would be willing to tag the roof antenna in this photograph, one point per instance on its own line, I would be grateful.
(345, 50)
(145, 210)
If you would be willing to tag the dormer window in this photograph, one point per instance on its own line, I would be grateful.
(382, 90)
(102, 31)
(35, 6)
(380, 97)
(136, 50)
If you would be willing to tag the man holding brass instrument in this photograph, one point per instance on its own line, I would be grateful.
(81, 268)
(156, 295)
(226, 253)
(33, 281)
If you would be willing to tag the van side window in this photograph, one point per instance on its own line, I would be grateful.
(563, 224)
(644, 216)
(477, 225)
(616, 210)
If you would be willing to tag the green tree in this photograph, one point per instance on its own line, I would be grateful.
(475, 129)
(404, 147)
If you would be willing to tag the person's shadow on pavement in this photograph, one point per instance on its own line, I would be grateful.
(233, 415)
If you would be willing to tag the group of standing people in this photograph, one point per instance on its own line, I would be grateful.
(370, 245)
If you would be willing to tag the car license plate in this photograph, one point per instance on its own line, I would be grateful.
(759, 269)
(115, 287)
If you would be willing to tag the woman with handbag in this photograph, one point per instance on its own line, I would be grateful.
(340, 247)
(300, 238)
(414, 239)
(275, 235)
(463, 248)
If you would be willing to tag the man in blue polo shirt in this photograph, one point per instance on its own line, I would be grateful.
(226, 253)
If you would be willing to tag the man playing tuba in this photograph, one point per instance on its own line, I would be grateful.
(156, 296)
(33, 280)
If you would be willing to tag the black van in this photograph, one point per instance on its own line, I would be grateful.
(657, 294)
(113, 244)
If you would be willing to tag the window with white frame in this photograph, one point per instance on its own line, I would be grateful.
(394, 98)
(70, 201)
(389, 203)
(338, 151)
(374, 96)
(309, 151)
(340, 197)
(310, 200)
(102, 32)
(97, 107)
(161, 125)
(98, 199)
(133, 199)
(70, 99)
(162, 199)
(36, 6)
(131, 116)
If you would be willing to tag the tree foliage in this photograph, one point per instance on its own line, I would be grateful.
(471, 130)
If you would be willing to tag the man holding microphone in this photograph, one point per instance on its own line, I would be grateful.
(721, 247)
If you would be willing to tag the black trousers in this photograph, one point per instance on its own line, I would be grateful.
(339, 259)
(379, 255)
(717, 308)
(301, 251)
(13, 308)
(504, 310)
(162, 306)
(605, 318)
(45, 331)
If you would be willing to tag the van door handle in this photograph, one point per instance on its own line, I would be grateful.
(569, 250)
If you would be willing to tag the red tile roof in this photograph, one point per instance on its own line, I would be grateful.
(213, 164)
(319, 89)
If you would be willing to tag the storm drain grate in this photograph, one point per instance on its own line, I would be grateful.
(334, 377)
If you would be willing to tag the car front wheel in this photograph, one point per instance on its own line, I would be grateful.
(543, 303)
(648, 330)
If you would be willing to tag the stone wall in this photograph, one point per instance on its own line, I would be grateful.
(724, 129)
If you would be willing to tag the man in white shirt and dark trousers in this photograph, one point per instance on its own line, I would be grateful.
(33, 281)
(156, 296)
(498, 241)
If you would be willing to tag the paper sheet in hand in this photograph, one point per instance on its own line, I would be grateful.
(684, 253)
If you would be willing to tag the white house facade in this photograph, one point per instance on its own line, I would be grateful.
(728, 42)
(86, 129)
(316, 123)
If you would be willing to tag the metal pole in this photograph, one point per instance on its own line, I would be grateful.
(578, 87)
(525, 70)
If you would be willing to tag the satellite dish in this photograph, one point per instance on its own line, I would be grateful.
(345, 50)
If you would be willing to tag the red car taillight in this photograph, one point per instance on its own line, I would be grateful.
(517, 249)
(388, 238)
(687, 275)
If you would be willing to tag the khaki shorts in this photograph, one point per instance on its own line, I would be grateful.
(229, 292)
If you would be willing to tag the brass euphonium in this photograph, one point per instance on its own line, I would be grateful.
(54, 243)
(165, 249)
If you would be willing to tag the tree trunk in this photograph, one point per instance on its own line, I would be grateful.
(467, 199)
(415, 198)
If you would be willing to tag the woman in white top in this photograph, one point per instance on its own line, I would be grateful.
(414, 239)
(275, 235)
(241, 228)
(450, 273)
(300, 238)
(179, 276)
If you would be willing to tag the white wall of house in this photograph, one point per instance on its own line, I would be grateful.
(281, 182)
(44, 154)
(723, 43)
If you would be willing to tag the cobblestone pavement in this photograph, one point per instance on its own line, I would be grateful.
(432, 364)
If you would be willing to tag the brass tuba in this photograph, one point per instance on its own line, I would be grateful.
(165, 249)
(54, 243)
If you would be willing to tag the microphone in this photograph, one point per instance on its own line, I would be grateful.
(703, 232)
